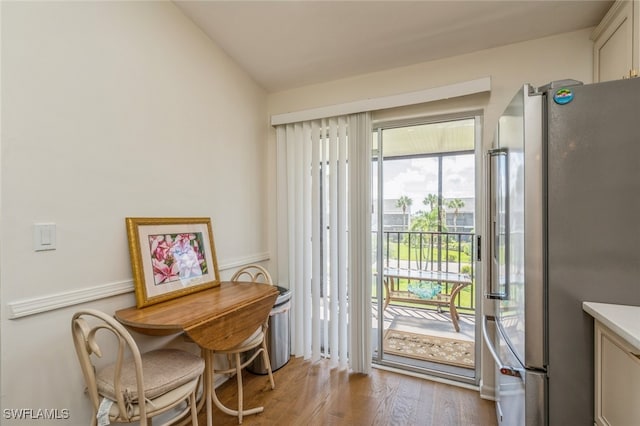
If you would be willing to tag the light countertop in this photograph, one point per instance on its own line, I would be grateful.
(624, 320)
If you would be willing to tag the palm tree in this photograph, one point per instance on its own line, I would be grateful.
(404, 203)
(434, 202)
(456, 204)
(431, 200)
(425, 221)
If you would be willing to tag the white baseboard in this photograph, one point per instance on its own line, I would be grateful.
(487, 392)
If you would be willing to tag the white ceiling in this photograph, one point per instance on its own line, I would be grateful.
(288, 44)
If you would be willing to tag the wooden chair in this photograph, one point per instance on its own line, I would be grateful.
(257, 342)
(136, 387)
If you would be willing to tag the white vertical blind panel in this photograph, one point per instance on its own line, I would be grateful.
(322, 176)
(307, 249)
(355, 276)
(294, 228)
(342, 242)
(353, 244)
(315, 240)
(282, 191)
(333, 238)
(360, 242)
(300, 249)
(284, 211)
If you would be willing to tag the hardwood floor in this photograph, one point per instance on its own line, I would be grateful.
(314, 394)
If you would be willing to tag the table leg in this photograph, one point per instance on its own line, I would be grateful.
(388, 281)
(208, 359)
(453, 311)
(454, 315)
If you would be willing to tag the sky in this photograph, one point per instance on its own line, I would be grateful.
(418, 177)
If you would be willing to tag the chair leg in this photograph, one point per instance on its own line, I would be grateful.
(240, 412)
(230, 364)
(267, 363)
(194, 408)
(240, 393)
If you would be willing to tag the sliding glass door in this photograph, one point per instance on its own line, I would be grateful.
(424, 244)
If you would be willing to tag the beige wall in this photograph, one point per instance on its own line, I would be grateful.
(109, 110)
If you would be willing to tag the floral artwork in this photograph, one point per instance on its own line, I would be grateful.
(171, 257)
(177, 257)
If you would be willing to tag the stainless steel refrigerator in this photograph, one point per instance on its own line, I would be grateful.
(564, 225)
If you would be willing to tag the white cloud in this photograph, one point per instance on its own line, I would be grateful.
(418, 177)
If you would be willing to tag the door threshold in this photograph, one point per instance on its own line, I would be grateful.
(462, 383)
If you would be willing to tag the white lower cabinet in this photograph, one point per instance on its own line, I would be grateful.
(617, 379)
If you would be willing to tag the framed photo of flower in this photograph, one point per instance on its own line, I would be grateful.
(171, 257)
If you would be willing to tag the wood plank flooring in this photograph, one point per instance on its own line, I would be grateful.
(315, 394)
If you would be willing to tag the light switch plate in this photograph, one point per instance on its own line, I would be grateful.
(44, 236)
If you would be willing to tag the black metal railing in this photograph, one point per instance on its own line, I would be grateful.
(434, 251)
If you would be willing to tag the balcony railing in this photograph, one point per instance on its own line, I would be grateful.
(432, 251)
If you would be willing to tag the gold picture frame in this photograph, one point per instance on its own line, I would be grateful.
(171, 257)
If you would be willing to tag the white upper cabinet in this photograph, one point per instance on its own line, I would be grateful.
(616, 42)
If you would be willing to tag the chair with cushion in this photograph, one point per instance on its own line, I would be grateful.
(135, 387)
(254, 346)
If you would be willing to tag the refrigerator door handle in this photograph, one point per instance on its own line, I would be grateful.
(503, 368)
(497, 286)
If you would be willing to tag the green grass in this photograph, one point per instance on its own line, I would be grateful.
(402, 251)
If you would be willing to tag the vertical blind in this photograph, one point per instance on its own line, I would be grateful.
(324, 229)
